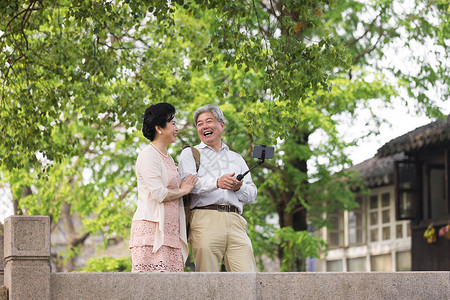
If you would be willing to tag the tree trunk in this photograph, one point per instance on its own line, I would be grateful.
(296, 218)
(26, 191)
(74, 239)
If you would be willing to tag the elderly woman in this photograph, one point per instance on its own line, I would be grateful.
(158, 230)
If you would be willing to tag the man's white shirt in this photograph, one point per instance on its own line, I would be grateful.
(212, 166)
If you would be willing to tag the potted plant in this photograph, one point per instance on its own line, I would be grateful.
(430, 234)
(445, 232)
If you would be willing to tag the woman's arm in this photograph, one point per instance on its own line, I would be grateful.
(187, 166)
(149, 173)
(148, 167)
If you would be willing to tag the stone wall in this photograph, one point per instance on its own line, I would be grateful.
(27, 276)
(376, 285)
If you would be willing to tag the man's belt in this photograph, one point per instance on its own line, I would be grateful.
(220, 207)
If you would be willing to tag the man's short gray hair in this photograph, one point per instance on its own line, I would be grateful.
(212, 108)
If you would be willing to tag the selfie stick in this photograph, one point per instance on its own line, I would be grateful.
(263, 156)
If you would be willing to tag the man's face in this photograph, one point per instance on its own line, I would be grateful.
(209, 129)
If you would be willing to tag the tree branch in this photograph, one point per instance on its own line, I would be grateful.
(124, 194)
(369, 50)
(270, 167)
(73, 238)
(354, 41)
(79, 240)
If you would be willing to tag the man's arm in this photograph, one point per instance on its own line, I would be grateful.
(248, 191)
(187, 166)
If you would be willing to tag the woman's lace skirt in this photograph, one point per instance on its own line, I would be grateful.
(167, 258)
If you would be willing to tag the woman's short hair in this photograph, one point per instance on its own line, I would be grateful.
(212, 108)
(157, 115)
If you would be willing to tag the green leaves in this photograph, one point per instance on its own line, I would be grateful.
(108, 264)
(296, 245)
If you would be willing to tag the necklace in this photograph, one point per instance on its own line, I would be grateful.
(159, 151)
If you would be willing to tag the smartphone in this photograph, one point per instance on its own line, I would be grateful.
(262, 152)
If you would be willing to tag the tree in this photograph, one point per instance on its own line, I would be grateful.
(81, 107)
(284, 104)
(77, 75)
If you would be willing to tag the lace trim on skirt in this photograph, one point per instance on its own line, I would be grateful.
(166, 259)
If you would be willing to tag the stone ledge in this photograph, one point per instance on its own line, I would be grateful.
(153, 285)
(374, 285)
(355, 285)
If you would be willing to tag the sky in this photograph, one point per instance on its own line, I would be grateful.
(401, 122)
(5, 204)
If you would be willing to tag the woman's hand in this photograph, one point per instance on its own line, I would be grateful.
(188, 183)
(186, 187)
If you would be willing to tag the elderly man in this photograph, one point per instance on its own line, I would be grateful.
(217, 229)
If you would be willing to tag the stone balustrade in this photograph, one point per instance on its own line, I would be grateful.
(3, 290)
(27, 275)
(27, 257)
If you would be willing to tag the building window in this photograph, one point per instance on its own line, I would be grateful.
(381, 262)
(355, 224)
(406, 178)
(335, 266)
(437, 192)
(380, 217)
(356, 264)
(403, 261)
(336, 230)
(402, 230)
(399, 230)
(386, 217)
(373, 218)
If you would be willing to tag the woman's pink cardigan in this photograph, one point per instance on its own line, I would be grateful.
(152, 182)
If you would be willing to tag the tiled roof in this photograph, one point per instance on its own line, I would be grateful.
(433, 134)
(378, 171)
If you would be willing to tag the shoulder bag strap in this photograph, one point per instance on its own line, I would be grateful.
(196, 155)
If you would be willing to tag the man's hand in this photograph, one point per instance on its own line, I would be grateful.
(229, 182)
(237, 185)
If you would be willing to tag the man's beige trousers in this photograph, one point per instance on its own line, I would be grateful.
(220, 236)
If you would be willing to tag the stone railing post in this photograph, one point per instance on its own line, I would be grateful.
(2, 260)
(3, 290)
(27, 257)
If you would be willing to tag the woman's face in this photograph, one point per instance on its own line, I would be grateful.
(169, 133)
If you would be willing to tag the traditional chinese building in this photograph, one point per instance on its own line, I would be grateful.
(409, 182)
